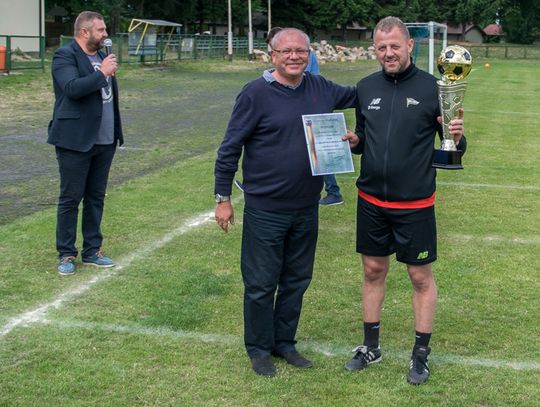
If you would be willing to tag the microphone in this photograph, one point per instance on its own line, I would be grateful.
(107, 43)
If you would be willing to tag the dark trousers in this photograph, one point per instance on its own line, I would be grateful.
(278, 251)
(83, 177)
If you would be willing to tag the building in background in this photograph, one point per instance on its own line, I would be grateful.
(465, 33)
(494, 32)
(24, 22)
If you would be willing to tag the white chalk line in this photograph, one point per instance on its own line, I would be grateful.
(490, 239)
(39, 313)
(494, 186)
(474, 185)
(503, 112)
(325, 348)
(494, 239)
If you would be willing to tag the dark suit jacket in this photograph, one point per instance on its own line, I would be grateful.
(78, 106)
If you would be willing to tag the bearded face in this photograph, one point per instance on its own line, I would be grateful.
(95, 34)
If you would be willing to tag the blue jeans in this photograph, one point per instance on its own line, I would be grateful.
(278, 251)
(83, 177)
(331, 186)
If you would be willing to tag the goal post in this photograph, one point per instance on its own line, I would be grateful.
(432, 31)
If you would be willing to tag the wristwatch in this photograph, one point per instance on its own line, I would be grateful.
(222, 198)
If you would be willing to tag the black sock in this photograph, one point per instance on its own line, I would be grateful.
(422, 339)
(371, 334)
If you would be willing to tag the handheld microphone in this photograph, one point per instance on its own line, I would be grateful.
(107, 43)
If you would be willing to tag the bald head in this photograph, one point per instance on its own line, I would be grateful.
(284, 32)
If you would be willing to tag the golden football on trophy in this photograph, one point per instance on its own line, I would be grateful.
(454, 63)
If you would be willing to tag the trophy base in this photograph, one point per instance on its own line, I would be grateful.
(447, 160)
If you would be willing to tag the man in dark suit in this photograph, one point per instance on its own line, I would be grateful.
(85, 130)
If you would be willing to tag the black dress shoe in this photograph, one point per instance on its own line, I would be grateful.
(295, 359)
(263, 366)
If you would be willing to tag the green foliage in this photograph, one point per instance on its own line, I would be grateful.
(343, 13)
(520, 19)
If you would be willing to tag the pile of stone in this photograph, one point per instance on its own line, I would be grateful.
(328, 53)
(261, 56)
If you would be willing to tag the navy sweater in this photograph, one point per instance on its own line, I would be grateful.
(266, 123)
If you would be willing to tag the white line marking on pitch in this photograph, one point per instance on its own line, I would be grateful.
(503, 112)
(325, 348)
(501, 186)
(473, 185)
(38, 314)
(495, 239)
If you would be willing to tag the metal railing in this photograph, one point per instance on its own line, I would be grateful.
(181, 47)
(15, 59)
(504, 51)
(177, 47)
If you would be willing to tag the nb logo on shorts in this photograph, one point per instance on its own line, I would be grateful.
(422, 255)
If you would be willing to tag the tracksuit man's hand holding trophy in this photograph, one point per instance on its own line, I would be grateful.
(454, 64)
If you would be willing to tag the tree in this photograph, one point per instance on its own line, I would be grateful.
(343, 13)
(463, 13)
(520, 20)
(312, 15)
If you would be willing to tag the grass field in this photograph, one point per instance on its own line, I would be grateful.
(165, 326)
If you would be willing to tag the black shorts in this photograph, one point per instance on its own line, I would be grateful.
(410, 233)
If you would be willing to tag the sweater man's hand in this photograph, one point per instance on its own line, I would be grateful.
(224, 215)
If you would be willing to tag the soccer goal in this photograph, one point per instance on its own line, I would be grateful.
(432, 31)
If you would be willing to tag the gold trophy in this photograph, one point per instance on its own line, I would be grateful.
(454, 64)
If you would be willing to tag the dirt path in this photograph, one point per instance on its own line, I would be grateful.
(168, 115)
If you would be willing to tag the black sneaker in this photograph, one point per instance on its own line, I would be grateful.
(263, 366)
(295, 359)
(363, 357)
(419, 369)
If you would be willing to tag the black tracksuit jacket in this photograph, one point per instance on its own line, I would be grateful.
(396, 120)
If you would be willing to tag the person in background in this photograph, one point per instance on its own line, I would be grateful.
(397, 118)
(280, 222)
(333, 194)
(85, 130)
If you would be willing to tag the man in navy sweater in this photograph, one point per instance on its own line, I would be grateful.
(280, 223)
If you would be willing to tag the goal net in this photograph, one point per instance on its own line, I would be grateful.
(429, 40)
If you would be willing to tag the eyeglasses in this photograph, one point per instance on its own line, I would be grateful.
(289, 52)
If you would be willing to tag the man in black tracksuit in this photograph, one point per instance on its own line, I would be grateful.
(397, 119)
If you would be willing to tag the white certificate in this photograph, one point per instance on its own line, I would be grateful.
(328, 154)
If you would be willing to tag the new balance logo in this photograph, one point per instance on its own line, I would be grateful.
(412, 102)
(374, 105)
(422, 255)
